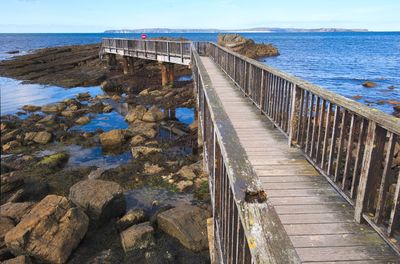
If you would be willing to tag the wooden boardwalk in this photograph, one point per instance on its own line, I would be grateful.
(318, 221)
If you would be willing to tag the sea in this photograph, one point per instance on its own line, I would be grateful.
(337, 61)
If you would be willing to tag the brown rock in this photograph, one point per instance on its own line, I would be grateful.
(30, 136)
(6, 224)
(113, 138)
(53, 108)
(143, 151)
(10, 181)
(187, 172)
(18, 260)
(152, 169)
(131, 218)
(10, 145)
(83, 96)
(136, 114)
(68, 113)
(247, 47)
(153, 115)
(137, 237)
(82, 120)
(137, 140)
(184, 185)
(50, 232)
(369, 84)
(188, 224)
(42, 137)
(31, 108)
(143, 128)
(107, 109)
(9, 136)
(16, 211)
(50, 119)
(101, 200)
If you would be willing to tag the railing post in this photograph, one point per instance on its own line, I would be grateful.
(294, 113)
(262, 90)
(373, 153)
(181, 47)
(168, 51)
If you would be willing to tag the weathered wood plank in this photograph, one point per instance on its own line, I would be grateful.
(320, 218)
(325, 229)
(311, 208)
(344, 240)
(347, 253)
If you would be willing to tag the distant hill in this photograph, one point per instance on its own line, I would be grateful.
(213, 30)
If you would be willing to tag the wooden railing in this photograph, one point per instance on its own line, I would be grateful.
(160, 50)
(246, 226)
(352, 145)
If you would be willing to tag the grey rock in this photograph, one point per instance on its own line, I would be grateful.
(188, 224)
(101, 200)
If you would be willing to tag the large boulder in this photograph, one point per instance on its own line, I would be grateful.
(101, 200)
(16, 211)
(113, 138)
(188, 224)
(136, 114)
(50, 232)
(137, 237)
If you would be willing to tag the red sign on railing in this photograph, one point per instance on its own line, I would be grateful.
(144, 36)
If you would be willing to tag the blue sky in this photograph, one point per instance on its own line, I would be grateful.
(99, 15)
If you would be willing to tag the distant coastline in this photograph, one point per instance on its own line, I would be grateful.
(248, 30)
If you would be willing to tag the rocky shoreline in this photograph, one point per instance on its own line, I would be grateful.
(152, 208)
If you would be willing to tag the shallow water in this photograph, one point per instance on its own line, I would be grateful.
(86, 157)
(103, 121)
(14, 94)
(185, 115)
(151, 200)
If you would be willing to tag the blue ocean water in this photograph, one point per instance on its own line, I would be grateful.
(340, 62)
